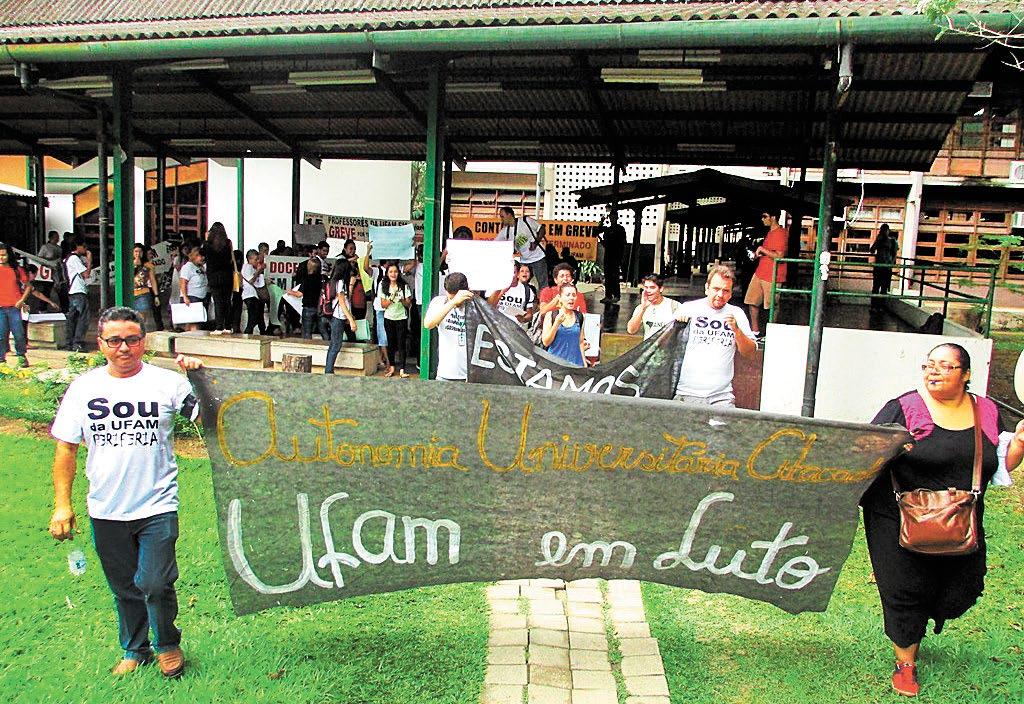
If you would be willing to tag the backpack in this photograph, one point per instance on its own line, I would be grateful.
(328, 302)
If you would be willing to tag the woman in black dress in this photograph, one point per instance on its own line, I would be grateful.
(220, 274)
(914, 587)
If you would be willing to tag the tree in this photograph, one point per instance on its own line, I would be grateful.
(948, 15)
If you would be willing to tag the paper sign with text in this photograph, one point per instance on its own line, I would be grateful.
(580, 237)
(318, 498)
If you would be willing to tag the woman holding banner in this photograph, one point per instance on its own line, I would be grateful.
(944, 420)
(563, 329)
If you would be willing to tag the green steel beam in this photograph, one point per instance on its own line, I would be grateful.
(740, 33)
(432, 210)
(240, 200)
(819, 286)
(124, 189)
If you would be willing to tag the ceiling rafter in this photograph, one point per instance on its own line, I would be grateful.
(212, 86)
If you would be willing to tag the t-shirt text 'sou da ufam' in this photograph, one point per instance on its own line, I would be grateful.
(708, 363)
(126, 425)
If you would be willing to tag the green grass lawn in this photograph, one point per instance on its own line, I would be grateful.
(58, 633)
(723, 649)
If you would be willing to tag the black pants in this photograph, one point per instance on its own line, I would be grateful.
(254, 311)
(881, 280)
(221, 307)
(612, 267)
(396, 342)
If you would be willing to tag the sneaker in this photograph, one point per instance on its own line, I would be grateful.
(904, 679)
(215, 332)
(172, 662)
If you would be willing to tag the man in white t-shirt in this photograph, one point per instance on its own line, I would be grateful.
(517, 300)
(717, 331)
(447, 313)
(655, 310)
(124, 413)
(78, 266)
(527, 236)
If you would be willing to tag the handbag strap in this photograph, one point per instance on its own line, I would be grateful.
(976, 472)
(976, 479)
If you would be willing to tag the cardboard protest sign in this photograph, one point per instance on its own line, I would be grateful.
(392, 241)
(579, 236)
(320, 499)
(355, 227)
(500, 352)
(485, 264)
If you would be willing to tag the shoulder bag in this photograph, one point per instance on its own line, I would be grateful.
(942, 522)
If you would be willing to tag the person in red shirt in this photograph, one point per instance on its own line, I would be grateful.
(14, 290)
(549, 299)
(759, 290)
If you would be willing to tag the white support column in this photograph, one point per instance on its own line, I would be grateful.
(911, 218)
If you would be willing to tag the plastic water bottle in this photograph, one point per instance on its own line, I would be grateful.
(76, 562)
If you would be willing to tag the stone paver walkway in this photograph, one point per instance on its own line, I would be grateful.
(550, 644)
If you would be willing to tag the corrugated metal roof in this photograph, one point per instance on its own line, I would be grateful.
(81, 20)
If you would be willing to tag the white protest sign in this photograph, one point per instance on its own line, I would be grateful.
(294, 301)
(280, 270)
(592, 333)
(1018, 378)
(354, 226)
(485, 263)
(182, 313)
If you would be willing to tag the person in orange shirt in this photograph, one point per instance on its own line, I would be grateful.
(759, 290)
(14, 291)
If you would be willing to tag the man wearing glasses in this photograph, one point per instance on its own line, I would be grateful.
(759, 290)
(124, 414)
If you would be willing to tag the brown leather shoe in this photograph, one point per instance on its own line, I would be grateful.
(172, 662)
(127, 666)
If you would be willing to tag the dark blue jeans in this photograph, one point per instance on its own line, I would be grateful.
(10, 324)
(77, 320)
(339, 328)
(138, 560)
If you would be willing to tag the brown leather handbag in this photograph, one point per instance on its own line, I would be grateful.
(942, 522)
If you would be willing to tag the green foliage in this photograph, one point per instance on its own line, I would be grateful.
(419, 171)
(58, 633)
(34, 394)
(589, 271)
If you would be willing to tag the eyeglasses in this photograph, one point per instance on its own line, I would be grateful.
(942, 367)
(115, 342)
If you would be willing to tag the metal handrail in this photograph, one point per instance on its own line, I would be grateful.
(905, 274)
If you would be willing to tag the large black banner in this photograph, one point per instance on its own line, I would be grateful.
(343, 487)
(500, 352)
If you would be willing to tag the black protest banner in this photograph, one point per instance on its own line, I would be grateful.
(453, 482)
(500, 352)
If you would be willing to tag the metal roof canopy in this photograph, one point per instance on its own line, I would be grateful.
(740, 193)
(751, 90)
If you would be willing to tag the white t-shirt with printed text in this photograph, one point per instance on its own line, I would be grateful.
(515, 301)
(451, 340)
(659, 315)
(708, 364)
(197, 285)
(126, 425)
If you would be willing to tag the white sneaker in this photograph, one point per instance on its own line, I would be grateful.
(215, 332)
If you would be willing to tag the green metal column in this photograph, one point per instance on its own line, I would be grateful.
(432, 211)
(124, 188)
(240, 198)
(102, 192)
(820, 272)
